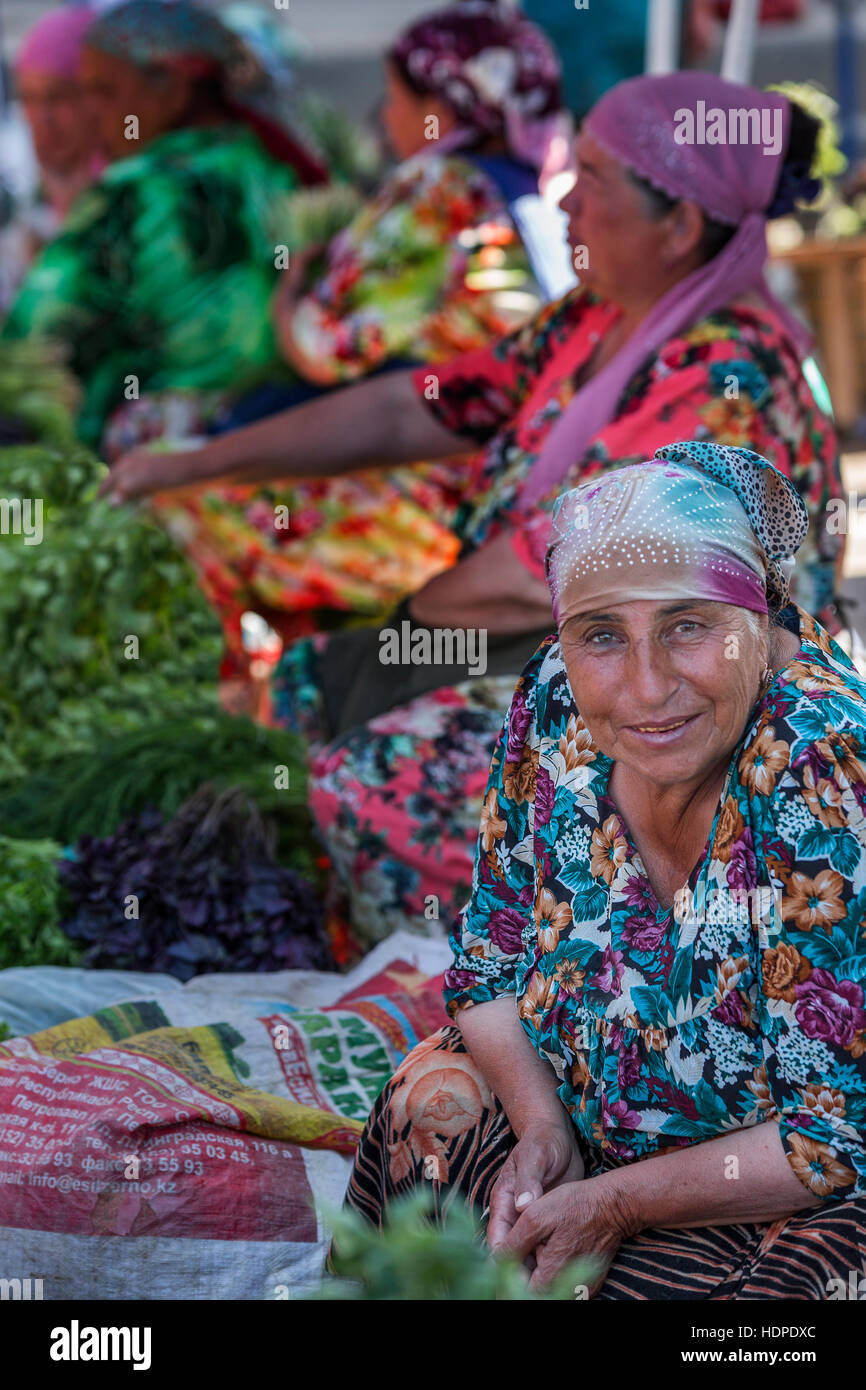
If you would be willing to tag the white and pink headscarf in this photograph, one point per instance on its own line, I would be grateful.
(497, 70)
(697, 521)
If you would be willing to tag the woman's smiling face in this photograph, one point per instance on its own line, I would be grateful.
(665, 688)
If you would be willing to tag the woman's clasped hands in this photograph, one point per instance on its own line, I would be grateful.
(544, 1210)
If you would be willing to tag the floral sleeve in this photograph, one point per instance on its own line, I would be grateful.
(393, 268)
(493, 932)
(813, 956)
(478, 393)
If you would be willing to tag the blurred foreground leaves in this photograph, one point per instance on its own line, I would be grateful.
(415, 1258)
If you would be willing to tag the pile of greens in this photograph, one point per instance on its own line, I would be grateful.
(158, 766)
(102, 623)
(30, 905)
(38, 396)
(109, 660)
(199, 892)
(347, 148)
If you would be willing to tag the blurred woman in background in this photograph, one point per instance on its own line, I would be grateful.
(430, 266)
(162, 274)
(66, 138)
(63, 132)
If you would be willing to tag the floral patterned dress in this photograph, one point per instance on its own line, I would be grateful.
(396, 800)
(417, 274)
(745, 1000)
(741, 1004)
(407, 277)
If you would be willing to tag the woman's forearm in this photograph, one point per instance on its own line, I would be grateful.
(381, 421)
(489, 589)
(525, 1083)
(743, 1176)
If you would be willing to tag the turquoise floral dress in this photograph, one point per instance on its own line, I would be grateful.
(742, 1003)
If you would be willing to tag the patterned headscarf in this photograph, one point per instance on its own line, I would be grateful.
(699, 521)
(192, 40)
(498, 71)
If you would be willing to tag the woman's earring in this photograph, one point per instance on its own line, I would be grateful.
(766, 679)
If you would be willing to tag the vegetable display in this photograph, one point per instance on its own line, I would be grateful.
(158, 766)
(101, 621)
(38, 396)
(30, 898)
(111, 724)
(202, 892)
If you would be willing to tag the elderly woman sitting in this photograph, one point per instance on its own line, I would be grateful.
(663, 947)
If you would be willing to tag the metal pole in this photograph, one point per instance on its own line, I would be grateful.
(4, 95)
(740, 36)
(846, 77)
(662, 36)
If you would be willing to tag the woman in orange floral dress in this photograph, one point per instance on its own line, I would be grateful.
(396, 780)
(431, 266)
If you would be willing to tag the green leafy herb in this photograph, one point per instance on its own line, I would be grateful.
(415, 1258)
(102, 623)
(159, 765)
(30, 905)
(37, 391)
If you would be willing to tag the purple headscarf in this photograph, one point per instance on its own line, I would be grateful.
(645, 123)
(56, 42)
(498, 71)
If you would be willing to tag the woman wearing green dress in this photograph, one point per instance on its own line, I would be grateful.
(163, 273)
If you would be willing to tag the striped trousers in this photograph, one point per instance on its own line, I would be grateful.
(437, 1124)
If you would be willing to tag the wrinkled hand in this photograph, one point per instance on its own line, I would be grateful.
(576, 1219)
(142, 472)
(545, 1156)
